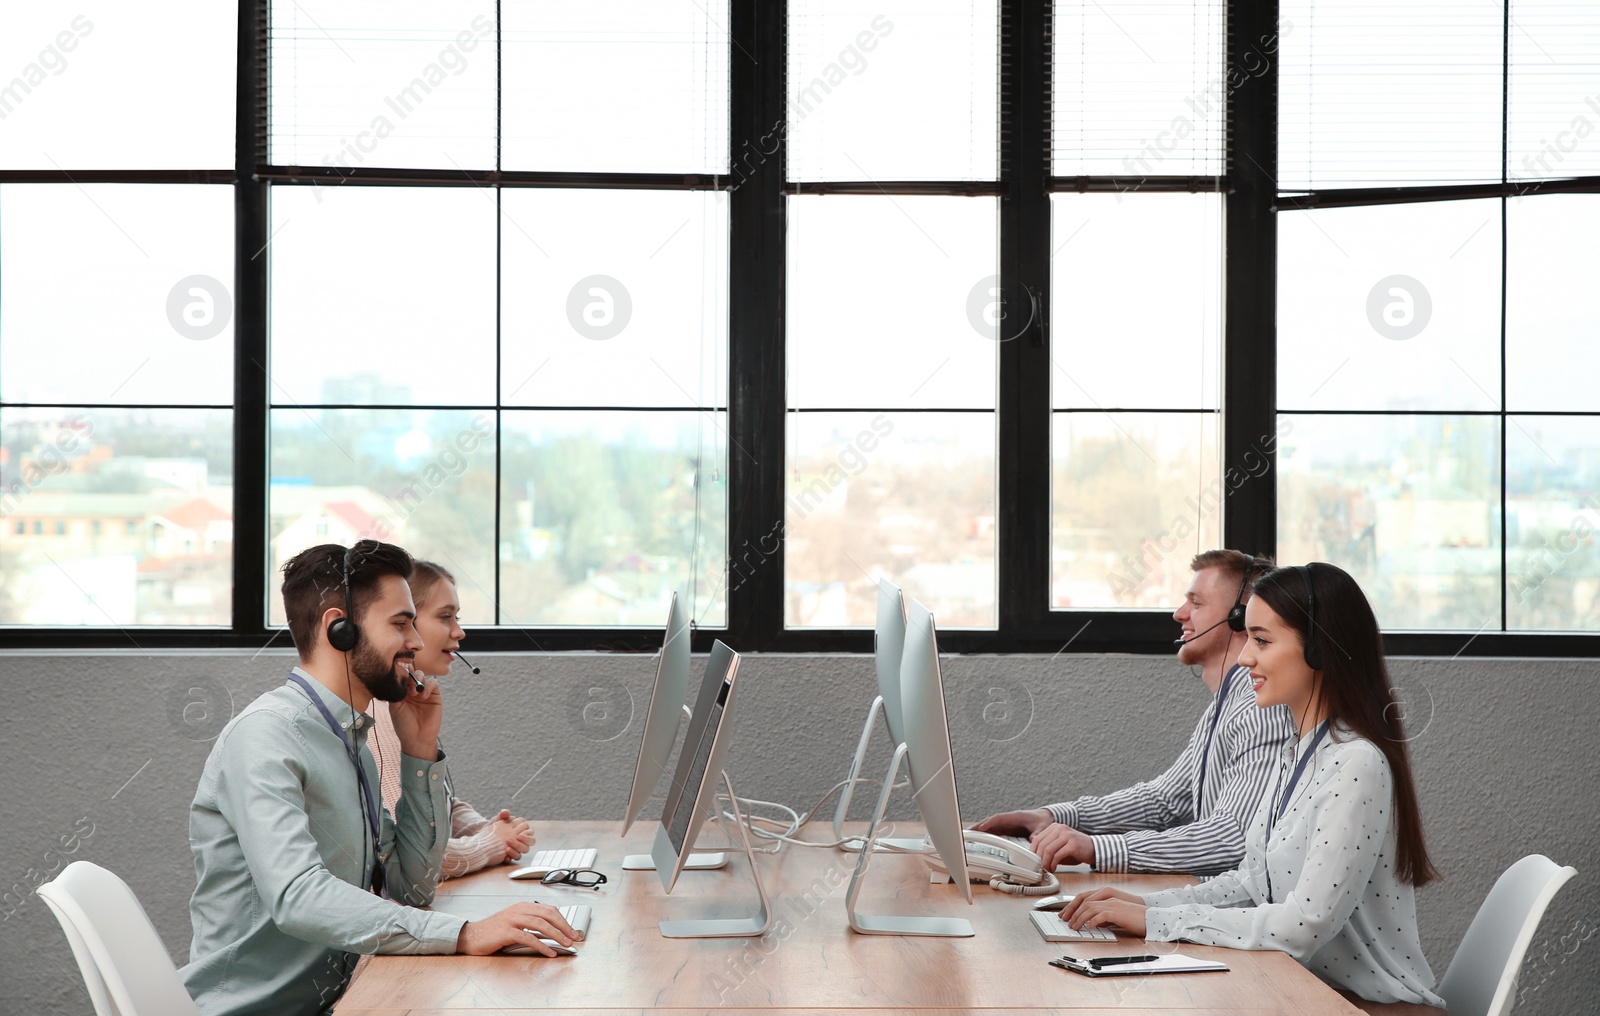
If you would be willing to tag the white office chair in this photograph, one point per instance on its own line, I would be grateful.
(125, 966)
(1483, 971)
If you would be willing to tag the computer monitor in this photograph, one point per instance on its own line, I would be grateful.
(888, 650)
(888, 643)
(665, 713)
(933, 783)
(694, 785)
(933, 769)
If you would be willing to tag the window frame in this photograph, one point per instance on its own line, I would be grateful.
(756, 354)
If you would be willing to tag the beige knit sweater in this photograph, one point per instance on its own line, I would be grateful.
(473, 843)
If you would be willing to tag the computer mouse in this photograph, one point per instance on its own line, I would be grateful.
(1053, 902)
(528, 950)
(532, 871)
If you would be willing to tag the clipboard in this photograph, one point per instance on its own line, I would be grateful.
(1171, 963)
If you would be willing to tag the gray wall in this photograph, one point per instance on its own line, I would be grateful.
(104, 751)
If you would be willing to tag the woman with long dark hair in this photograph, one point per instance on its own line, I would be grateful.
(1336, 848)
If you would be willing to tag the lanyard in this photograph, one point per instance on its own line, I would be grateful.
(1311, 749)
(1283, 802)
(1205, 756)
(355, 759)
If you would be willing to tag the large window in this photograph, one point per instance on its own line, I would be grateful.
(891, 434)
(71, 73)
(1134, 389)
(1139, 102)
(1439, 440)
(526, 384)
(890, 440)
(116, 317)
(1018, 304)
(116, 446)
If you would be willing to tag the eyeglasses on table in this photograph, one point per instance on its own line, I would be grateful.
(584, 878)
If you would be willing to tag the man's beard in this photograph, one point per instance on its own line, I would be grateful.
(376, 674)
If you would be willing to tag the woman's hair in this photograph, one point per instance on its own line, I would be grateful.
(1339, 631)
(424, 576)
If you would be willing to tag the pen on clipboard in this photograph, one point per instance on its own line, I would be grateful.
(1109, 961)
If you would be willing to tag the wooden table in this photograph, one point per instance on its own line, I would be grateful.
(809, 962)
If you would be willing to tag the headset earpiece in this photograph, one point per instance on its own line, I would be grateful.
(342, 631)
(1236, 612)
(1309, 646)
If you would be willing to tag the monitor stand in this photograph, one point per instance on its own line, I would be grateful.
(871, 924)
(728, 927)
(902, 845)
(696, 862)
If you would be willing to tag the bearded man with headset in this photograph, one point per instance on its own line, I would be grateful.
(1192, 817)
(299, 867)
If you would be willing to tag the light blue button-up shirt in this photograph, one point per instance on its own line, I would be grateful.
(283, 857)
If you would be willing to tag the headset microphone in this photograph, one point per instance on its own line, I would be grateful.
(463, 659)
(421, 688)
(1184, 642)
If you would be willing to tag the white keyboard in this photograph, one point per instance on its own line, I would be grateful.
(1054, 929)
(573, 857)
(541, 863)
(577, 915)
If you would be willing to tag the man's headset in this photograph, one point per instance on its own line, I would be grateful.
(343, 634)
(1235, 618)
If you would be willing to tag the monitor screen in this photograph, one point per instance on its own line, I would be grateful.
(694, 784)
(665, 713)
(888, 645)
(933, 770)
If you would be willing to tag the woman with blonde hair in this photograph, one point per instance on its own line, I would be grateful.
(475, 842)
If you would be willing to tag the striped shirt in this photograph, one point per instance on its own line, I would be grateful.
(473, 843)
(1175, 822)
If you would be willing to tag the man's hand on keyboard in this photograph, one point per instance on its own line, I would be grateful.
(1015, 823)
(518, 924)
(514, 832)
(1106, 908)
(1061, 844)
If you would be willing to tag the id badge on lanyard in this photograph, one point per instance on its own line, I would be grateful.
(378, 882)
(1276, 809)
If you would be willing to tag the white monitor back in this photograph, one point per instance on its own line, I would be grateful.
(699, 766)
(933, 771)
(889, 640)
(662, 718)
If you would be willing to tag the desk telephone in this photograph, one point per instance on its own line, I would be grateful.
(1004, 862)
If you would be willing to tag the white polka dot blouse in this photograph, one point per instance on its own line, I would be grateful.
(1324, 889)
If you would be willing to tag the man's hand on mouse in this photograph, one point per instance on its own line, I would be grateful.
(519, 924)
